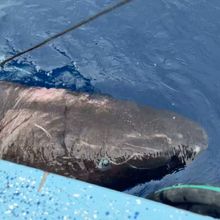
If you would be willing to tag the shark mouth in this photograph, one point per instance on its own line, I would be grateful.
(183, 153)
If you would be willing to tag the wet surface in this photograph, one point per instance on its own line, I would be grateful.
(159, 53)
(77, 135)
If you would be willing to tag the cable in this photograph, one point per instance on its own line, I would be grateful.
(83, 22)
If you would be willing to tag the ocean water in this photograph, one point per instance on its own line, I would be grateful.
(162, 53)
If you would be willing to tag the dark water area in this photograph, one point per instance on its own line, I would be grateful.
(162, 53)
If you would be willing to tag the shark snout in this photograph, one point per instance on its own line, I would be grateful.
(181, 138)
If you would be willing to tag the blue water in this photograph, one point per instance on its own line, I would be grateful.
(163, 53)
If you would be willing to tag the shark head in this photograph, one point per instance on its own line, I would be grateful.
(94, 138)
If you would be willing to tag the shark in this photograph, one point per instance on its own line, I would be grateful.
(93, 137)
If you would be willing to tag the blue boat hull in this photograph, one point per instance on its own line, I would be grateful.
(27, 193)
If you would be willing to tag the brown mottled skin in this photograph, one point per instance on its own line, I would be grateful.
(92, 137)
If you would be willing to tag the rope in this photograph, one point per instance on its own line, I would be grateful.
(83, 22)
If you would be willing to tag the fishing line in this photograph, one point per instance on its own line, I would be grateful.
(81, 23)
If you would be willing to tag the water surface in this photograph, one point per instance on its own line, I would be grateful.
(163, 53)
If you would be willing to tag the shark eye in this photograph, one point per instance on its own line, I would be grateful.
(104, 164)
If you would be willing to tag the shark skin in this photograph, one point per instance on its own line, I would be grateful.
(94, 138)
